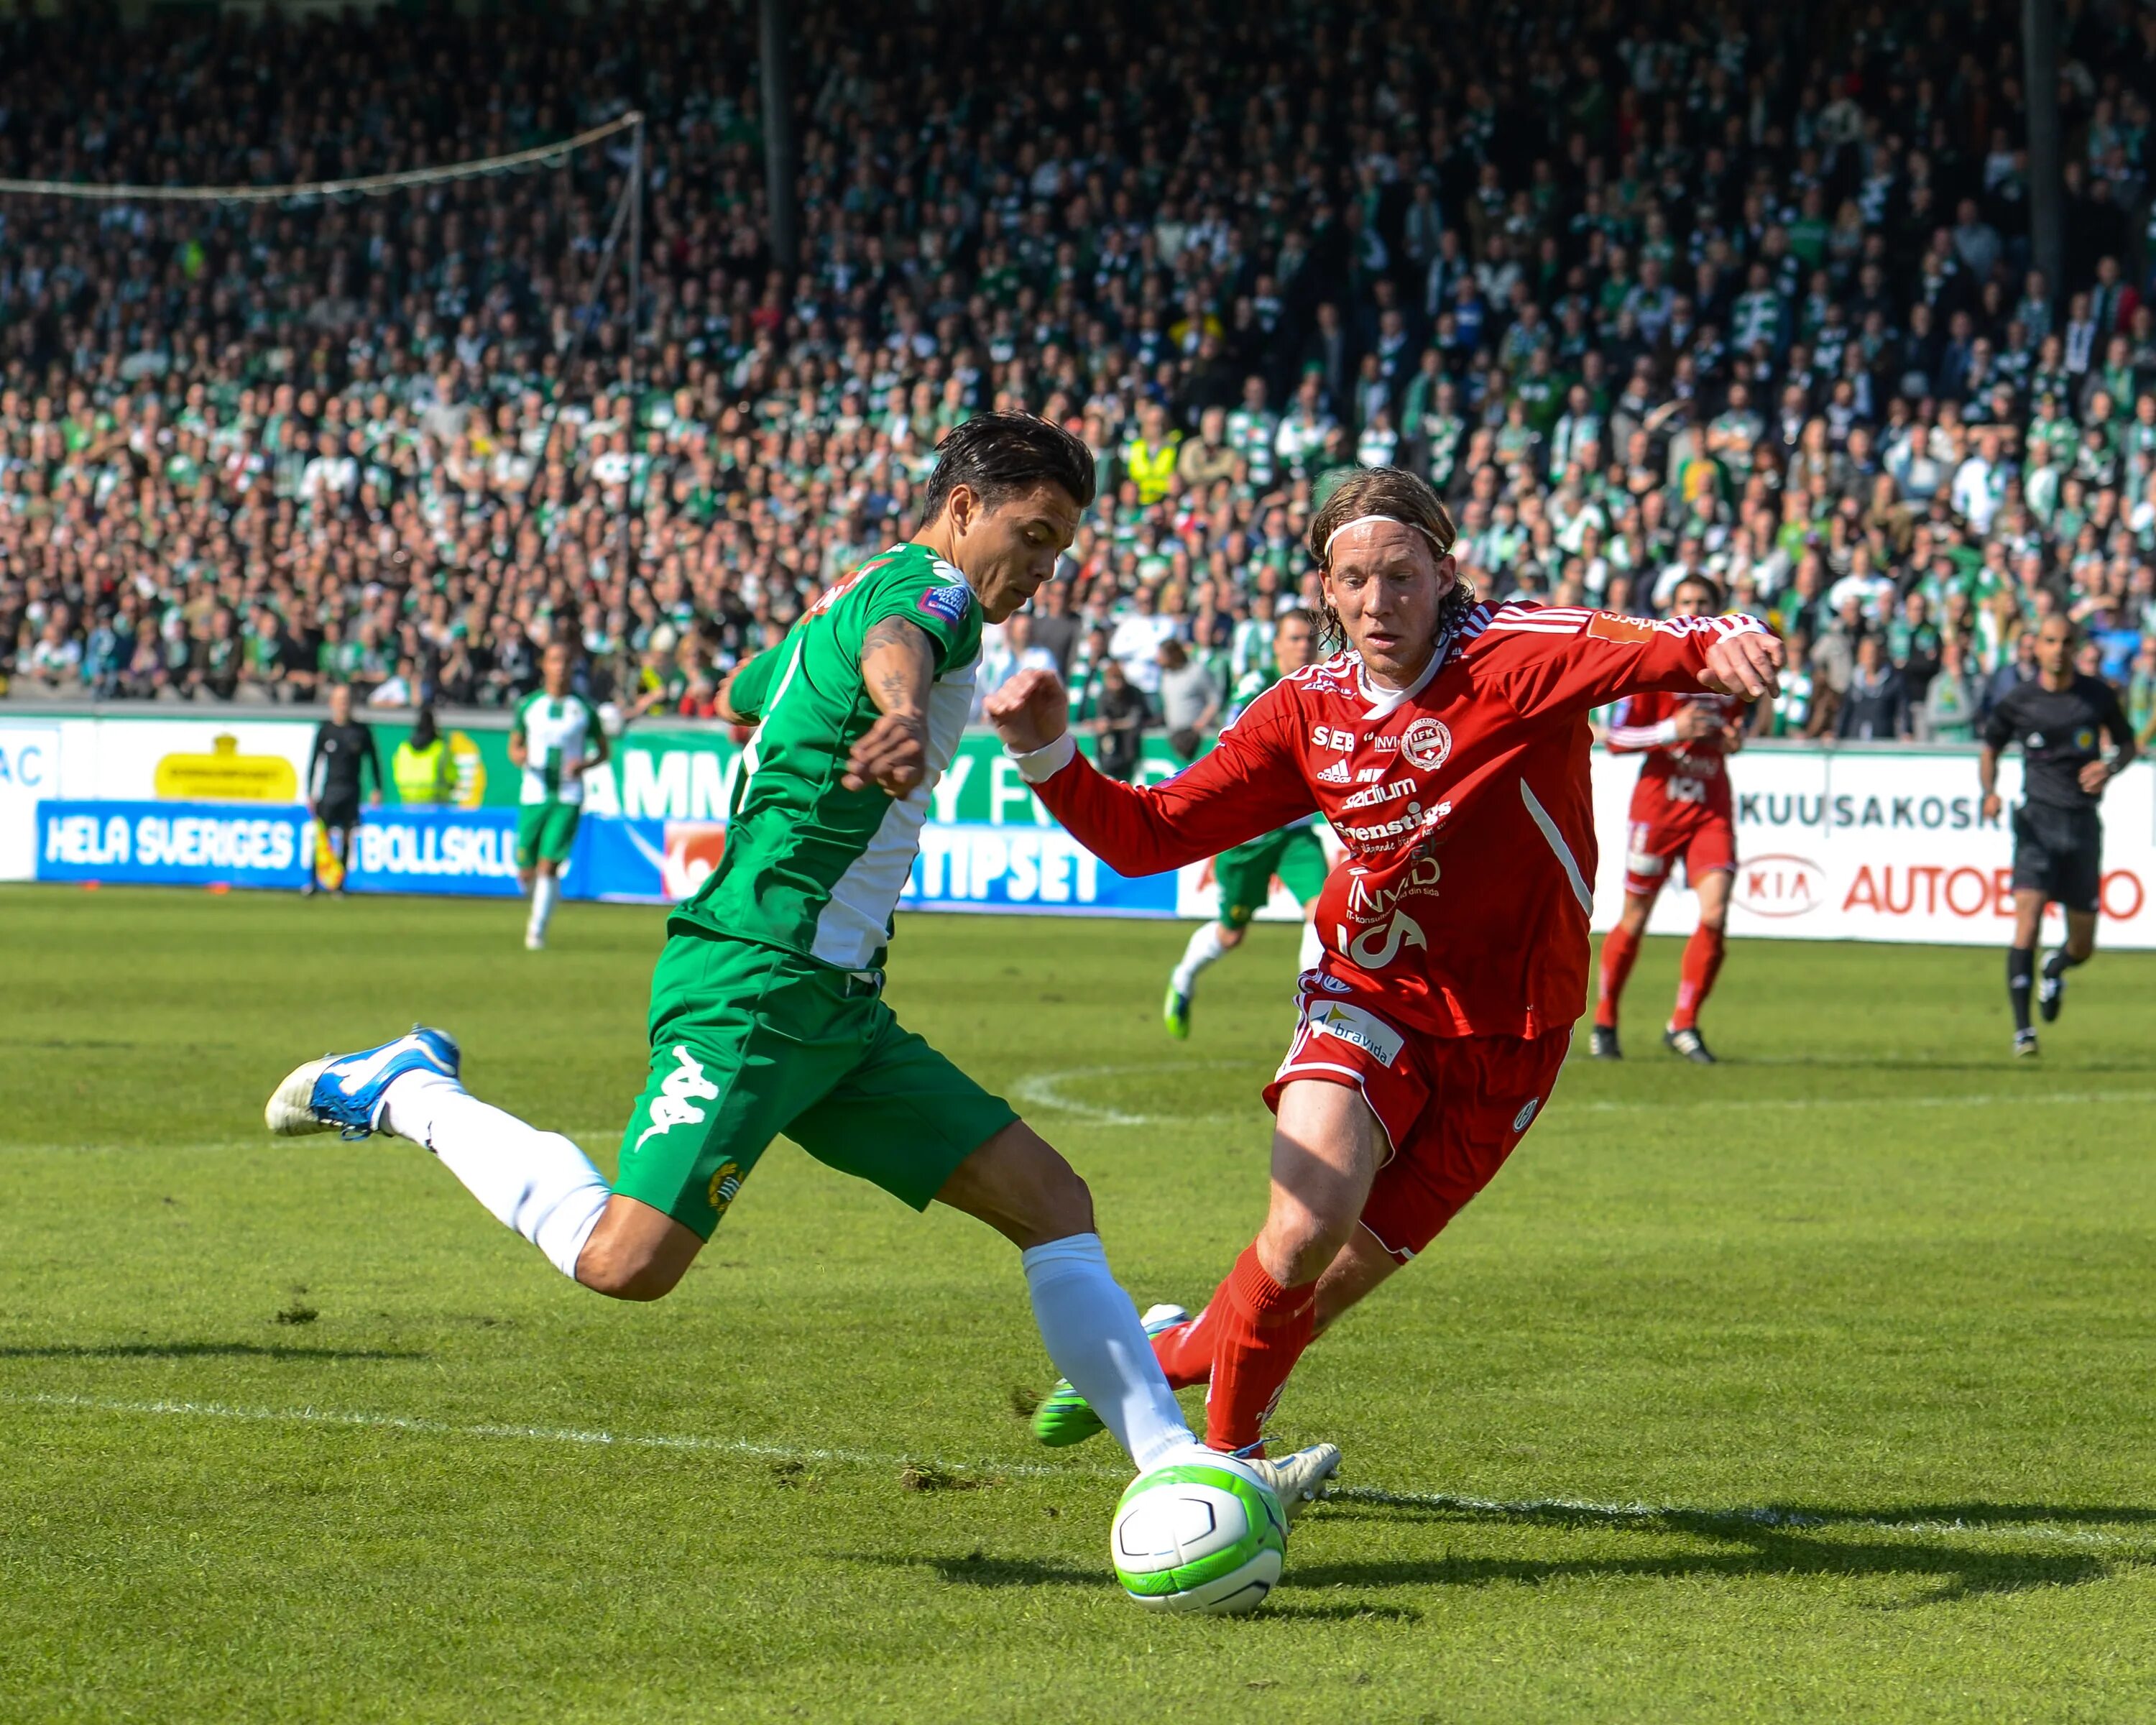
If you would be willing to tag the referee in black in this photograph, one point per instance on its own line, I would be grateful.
(344, 754)
(2059, 718)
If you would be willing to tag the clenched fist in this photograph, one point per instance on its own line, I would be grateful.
(1029, 712)
(1746, 666)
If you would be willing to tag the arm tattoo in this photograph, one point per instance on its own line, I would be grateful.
(896, 685)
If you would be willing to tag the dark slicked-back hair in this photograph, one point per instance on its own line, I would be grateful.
(998, 456)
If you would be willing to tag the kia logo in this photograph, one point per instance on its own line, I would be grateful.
(1779, 885)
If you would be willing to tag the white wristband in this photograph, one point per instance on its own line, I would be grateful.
(1043, 764)
(1666, 732)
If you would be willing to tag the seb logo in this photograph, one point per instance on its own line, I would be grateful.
(1778, 886)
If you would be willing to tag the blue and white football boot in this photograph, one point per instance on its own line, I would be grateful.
(344, 1092)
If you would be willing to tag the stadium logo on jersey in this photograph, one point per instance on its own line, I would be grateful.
(679, 1093)
(1426, 743)
(1336, 773)
(1381, 793)
(947, 602)
(1360, 1029)
(1625, 631)
(1525, 1117)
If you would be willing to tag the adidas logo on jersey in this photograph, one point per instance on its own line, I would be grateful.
(1336, 773)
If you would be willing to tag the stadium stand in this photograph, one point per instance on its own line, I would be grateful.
(1642, 288)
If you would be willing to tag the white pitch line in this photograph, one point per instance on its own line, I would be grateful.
(1646, 1516)
(422, 1427)
(1046, 1090)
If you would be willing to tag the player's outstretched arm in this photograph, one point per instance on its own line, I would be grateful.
(1551, 660)
(1250, 783)
(898, 665)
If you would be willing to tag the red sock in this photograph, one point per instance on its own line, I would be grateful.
(1259, 1330)
(1185, 1353)
(1618, 950)
(1702, 959)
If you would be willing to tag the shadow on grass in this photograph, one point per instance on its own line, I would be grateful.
(977, 1570)
(1913, 1539)
(201, 1350)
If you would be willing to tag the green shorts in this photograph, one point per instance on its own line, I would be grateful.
(1245, 873)
(750, 1041)
(546, 829)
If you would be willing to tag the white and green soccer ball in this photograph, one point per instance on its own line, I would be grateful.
(1198, 1536)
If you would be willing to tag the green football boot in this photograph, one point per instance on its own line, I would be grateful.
(1175, 1012)
(1064, 1416)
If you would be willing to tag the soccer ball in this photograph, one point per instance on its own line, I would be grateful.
(1198, 1536)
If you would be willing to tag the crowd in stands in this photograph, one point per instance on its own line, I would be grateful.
(1643, 289)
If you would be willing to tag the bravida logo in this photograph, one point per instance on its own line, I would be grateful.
(1779, 885)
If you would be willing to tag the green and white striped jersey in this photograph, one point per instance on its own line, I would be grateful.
(809, 866)
(554, 731)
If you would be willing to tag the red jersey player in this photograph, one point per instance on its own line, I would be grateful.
(1680, 808)
(1448, 749)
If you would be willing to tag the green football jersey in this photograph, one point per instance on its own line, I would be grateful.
(554, 731)
(809, 866)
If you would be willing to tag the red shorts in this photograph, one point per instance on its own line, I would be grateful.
(1452, 1107)
(1706, 837)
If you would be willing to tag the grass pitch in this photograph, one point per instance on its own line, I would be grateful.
(1815, 1384)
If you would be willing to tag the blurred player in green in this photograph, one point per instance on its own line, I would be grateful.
(555, 738)
(1245, 874)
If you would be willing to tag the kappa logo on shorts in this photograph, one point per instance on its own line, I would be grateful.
(1364, 1030)
(679, 1093)
(1525, 1117)
(947, 602)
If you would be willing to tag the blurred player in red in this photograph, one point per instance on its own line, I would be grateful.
(1680, 808)
(1447, 747)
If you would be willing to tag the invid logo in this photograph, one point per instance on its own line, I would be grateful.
(1779, 885)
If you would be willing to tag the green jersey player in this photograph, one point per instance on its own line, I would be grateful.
(1245, 874)
(767, 1014)
(553, 739)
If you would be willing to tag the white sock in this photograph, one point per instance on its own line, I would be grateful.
(1094, 1336)
(1313, 949)
(537, 1182)
(543, 894)
(1204, 949)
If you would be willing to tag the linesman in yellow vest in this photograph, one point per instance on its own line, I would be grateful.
(1149, 458)
(422, 767)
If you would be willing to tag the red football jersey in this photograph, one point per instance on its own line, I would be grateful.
(1463, 804)
(1676, 775)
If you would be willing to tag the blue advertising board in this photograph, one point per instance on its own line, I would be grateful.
(963, 866)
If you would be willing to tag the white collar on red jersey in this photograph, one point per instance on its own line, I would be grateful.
(1383, 702)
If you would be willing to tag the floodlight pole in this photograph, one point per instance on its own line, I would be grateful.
(776, 76)
(2047, 223)
(636, 231)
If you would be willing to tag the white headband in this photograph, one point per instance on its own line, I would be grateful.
(1393, 519)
